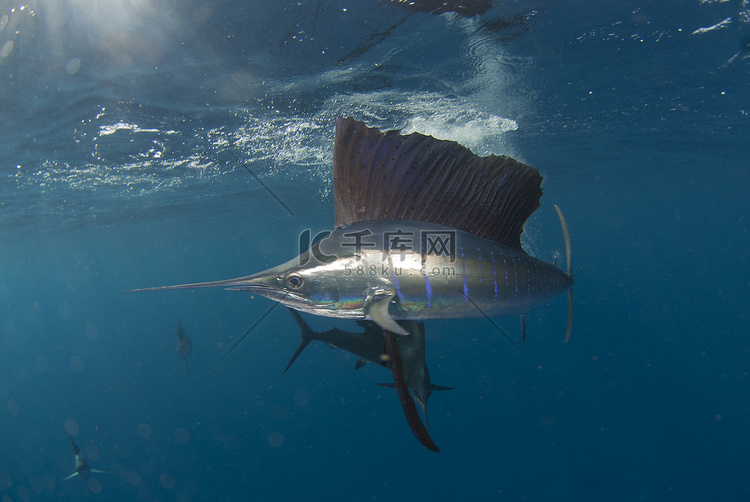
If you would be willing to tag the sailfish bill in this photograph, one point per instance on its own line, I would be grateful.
(423, 229)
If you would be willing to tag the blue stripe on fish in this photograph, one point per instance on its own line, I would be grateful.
(397, 285)
(428, 289)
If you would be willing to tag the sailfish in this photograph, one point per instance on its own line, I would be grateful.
(368, 346)
(424, 229)
(81, 468)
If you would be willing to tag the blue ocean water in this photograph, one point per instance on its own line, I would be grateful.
(127, 127)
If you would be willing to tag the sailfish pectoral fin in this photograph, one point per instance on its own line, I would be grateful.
(71, 476)
(379, 314)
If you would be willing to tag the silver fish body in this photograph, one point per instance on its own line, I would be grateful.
(424, 229)
(430, 272)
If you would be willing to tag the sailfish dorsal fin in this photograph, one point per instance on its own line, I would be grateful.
(386, 175)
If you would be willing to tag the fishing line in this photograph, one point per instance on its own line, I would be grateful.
(491, 321)
(254, 325)
(261, 183)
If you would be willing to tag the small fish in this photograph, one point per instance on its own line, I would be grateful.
(424, 229)
(184, 345)
(81, 468)
(368, 347)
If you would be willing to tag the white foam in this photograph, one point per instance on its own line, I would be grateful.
(718, 26)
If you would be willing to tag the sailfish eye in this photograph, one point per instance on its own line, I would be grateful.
(294, 281)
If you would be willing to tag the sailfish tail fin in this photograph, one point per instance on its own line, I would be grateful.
(306, 333)
(569, 270)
